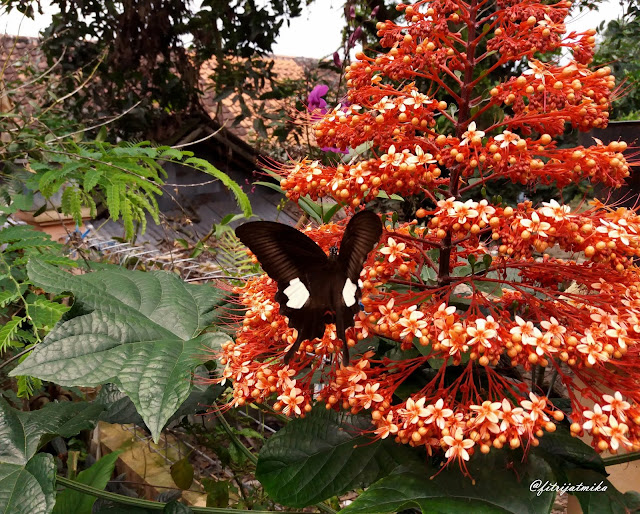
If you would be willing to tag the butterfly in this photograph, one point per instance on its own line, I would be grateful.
(314, 289)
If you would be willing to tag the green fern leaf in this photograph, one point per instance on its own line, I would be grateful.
(8, 332)
(76, 206)
(113, 200)
(210, 169)
(127, 218)
(91, 179)
(7, 296)
(65, 202)
(45, 313)
(27, 386)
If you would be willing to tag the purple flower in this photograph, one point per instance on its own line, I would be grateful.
(315, 100)
(354, 37)
(375, 11)
(334, 150)
(336, 60)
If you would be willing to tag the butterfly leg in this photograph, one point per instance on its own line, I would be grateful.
(292, 351)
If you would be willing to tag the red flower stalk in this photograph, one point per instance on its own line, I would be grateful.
(481, 295)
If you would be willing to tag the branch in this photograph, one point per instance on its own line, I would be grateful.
(139, 502)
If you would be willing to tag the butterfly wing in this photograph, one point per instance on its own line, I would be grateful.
(285, 253)
(360, 237)
(297, 264)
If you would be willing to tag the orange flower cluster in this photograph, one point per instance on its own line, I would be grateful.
(514, 305)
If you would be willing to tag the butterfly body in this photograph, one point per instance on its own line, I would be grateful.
(314, 289)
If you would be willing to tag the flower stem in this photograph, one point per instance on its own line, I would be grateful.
(621, 459)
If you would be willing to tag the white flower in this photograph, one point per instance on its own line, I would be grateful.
(384, 105)
(507, 138)
(463, 210)
(417, 99)
(471, 133)
(535, 225)
(554, 210)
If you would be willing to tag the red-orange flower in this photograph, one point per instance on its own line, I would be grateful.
(472, 293)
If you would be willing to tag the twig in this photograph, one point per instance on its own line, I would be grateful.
(190, 143)
(110, 120)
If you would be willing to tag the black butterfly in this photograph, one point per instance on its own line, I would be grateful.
(313, 289)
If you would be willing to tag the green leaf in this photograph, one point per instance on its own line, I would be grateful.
(98, 475)
(461, 271)
(141, 331)
(23, 202)
(428, 273)
(27, 479)
(230, 218)
(7, 296)
(175, 507)
(330, 213)
(8, 331)
(384, 194)
(120, 408)
(604, 498)
(182, 473)
(270, 185)
(260, 128)
(322, 455)
(210, 169)
(45, 313)
(91, 178)
(491, 288)
(559, 448)
(112, 192)
(21, 432)
(217, 492)
(29, 488)
(495, 488)
(313, 209)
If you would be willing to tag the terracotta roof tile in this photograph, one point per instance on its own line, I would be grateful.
(18, 52)
(17, 55)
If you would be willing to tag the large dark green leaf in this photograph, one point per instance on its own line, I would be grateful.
(27, 479)
(323, 455)
(499, 485)
(120, 409)
(20, 432)
(604, 498)
(74, 502)
(140, 331)
(28, 489)
(559, 448)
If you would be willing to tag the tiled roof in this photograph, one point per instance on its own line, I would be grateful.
(17, 55)
(18, 52)
(291, 68)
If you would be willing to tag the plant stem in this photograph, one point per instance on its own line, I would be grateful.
(234, 439)
(139, 502)
(621, 459)
(225, 424)
(464, 114)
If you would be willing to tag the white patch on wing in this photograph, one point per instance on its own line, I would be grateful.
(349, 293)
(296, 293)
